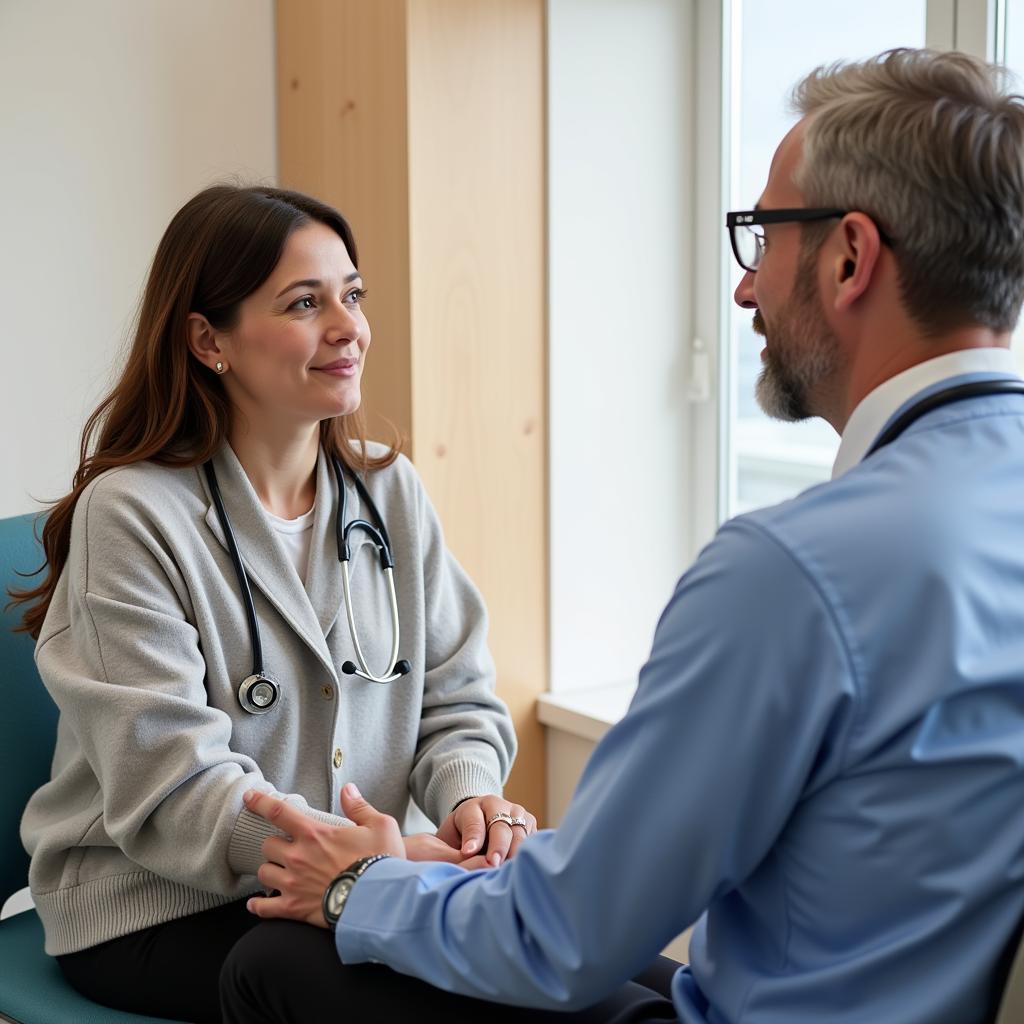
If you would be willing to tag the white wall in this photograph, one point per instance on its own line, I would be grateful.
(620, 88)
(112, 113)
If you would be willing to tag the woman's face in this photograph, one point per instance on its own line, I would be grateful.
(296, 354)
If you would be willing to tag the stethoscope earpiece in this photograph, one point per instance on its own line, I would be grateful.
(258, 694)
(401, 668)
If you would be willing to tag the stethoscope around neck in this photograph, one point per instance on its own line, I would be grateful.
(259, 692)
(938, 399)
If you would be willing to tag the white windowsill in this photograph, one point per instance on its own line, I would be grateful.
(587, 713)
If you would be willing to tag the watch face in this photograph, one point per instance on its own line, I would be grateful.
(338, 894)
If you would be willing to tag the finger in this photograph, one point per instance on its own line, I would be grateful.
(444, 853)
(276, 849)
(473, 828)
(449, 831)
(518, 835)
(477, 863)
(499, 838)
(271, 876)
(427, 847)
(266, 906)
(356, 808)
(531, 824)
(285, 817)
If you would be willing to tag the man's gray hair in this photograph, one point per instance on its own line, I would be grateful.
(931, 146)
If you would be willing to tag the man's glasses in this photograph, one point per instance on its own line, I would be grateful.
(747, 234)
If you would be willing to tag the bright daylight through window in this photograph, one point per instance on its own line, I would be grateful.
(774, 44)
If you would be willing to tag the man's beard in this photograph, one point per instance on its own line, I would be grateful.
(801, 354)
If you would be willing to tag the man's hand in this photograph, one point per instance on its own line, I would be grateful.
(466, 828)
(301, 867)
(426, 846)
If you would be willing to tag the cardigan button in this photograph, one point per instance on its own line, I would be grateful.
(338, 757)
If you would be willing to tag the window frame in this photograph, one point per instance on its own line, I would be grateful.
(973, 26)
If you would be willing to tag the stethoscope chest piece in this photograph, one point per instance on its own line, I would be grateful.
(258, 694)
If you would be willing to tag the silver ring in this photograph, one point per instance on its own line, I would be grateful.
(508, 820)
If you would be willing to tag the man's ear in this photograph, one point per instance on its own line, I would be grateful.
(203, 344)
(855, 261)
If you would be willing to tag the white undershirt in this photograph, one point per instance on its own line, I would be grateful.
(876, 408)
(295, 535)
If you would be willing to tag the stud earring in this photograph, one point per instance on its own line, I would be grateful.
(220, 366)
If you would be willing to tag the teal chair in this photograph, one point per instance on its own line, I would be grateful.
(32, 988)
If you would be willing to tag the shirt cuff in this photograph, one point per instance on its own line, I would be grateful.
(361, 922)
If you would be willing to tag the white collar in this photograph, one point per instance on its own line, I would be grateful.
(877, 407)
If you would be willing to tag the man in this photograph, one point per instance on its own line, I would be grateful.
(825, 754)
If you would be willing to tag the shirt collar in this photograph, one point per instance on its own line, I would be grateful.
(878, 406)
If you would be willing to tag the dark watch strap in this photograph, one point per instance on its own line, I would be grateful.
(352, 873)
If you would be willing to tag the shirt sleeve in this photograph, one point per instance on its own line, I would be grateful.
(128, 675)
(743, 704)
(466, 741)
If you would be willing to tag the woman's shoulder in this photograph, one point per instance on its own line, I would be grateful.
(145, 488)
(395, 485)
(400, 469)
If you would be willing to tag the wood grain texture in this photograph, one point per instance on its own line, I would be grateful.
(341, 126)
(477, 181)
(423, 121)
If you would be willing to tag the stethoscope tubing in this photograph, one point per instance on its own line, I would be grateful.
(243, 577)
(379, 536)
(364, 672)
(258, 692)
(947, 396)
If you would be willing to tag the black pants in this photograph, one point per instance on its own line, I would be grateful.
(285, 972)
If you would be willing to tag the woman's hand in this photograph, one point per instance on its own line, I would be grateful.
(470, 828)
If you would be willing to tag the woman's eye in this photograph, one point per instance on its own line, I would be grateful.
(355, 296)
(306, 302)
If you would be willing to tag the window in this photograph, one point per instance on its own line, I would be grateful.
(662, 115)
(774, 45)
(1009, 48)
(749, 54)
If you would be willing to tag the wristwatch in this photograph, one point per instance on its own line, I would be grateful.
(337, 892)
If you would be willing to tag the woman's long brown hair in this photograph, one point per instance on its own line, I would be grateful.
(167, 407)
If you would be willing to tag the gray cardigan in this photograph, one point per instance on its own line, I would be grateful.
(143, 649)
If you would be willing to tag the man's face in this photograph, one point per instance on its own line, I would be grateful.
(801, 354)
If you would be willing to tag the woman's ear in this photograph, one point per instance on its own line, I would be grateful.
(202, 343)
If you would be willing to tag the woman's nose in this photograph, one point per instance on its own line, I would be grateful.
(345, 325)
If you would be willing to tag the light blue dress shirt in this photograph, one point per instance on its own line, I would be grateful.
(824, 762)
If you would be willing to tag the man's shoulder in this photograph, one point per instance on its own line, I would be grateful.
(874, 519)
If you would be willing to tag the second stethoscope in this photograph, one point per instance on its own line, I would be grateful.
(258, 693)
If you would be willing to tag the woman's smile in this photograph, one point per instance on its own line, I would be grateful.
(340, 367)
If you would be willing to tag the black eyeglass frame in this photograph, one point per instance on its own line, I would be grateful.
(746, 218)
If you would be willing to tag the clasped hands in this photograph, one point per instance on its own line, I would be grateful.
(302, 863)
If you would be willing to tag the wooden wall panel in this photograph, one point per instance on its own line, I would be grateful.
(423, 121)
(476, 140)
(342, 137)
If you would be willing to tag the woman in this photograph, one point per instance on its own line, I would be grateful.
(231, 438)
